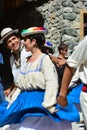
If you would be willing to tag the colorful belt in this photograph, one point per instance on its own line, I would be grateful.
(84, 88)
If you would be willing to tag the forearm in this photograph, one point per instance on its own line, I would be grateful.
(68, 73)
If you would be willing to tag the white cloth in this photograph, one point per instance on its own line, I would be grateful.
(12, 96)
(31, 78)
(15, 70)
(79, 59)
(83, 101)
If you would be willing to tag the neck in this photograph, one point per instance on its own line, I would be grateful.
(61, 55)
(35, 54)
(36, 51)
(16, 54)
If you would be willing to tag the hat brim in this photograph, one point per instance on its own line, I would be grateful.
(32, 33)
(11, 32)
(48, 46)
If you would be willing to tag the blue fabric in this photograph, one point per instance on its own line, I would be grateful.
(29, 104)
(1, 58)
(2, 97)
(74, 94)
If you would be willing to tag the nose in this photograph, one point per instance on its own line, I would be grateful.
(13, 42)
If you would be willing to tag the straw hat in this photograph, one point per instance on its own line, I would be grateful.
(6, 32)
(33, 30)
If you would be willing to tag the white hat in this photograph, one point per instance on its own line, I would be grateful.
(6, 32)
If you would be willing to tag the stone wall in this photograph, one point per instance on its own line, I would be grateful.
(62, 19)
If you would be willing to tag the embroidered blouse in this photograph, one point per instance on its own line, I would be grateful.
(40, 74)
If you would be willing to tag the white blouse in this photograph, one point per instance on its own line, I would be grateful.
(40, 74)
(15, 70)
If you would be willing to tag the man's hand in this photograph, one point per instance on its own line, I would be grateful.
(62, 101)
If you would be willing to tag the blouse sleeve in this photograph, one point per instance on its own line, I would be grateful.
(51, 89)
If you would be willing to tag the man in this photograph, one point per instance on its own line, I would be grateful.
(11, 40)
(78, 59)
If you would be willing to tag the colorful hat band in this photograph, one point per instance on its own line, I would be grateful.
(33, 30)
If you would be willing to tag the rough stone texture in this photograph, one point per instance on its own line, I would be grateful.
(62, 19)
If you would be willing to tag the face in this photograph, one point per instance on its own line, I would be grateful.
(64, 51)
(13, 43)
(29, 45)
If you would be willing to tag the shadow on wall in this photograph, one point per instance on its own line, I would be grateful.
(24, 16)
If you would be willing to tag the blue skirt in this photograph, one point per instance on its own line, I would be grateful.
(30, 104)
(74, 94)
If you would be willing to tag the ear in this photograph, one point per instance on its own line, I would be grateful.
(34, 41)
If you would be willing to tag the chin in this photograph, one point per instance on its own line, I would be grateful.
(26, 49)
(16, 49)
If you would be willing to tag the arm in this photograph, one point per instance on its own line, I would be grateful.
(54, 59)
(78, 58)
(68, 73)
(74, 78)
(51, 86)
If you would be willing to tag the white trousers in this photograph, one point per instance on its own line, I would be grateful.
(83, 101)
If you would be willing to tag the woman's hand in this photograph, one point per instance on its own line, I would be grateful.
(62, 101)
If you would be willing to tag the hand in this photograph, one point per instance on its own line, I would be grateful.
(7, 91)
(62, 101)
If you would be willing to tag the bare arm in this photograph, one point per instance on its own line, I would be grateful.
(68, 73)
(54, 59)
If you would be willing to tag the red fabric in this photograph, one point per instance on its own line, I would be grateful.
(84, 88)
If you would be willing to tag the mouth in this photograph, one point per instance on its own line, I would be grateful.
(16, 46)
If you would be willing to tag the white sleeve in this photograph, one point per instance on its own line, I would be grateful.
(51, 79)
(79, 56)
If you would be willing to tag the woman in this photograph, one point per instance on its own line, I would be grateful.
(60, 61)
(39, 87)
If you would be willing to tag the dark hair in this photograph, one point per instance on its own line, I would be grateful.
(47, 50)
(40, 40)
(62, 46)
